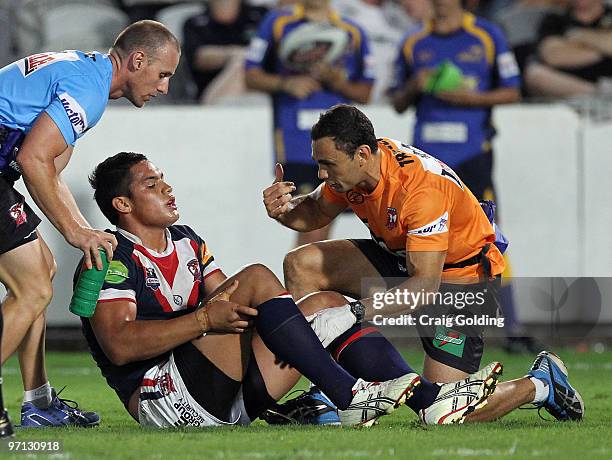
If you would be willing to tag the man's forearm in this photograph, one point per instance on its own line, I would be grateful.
(405, 97)
(496, 97)
(304, 215)
(71, 203)
(358, 92)
(259, 80)
(597, 40)
(46, 190)
(141, 339)
(564, 54)
(213, 57)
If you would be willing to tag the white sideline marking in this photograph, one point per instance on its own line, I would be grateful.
(307, 453)
(57, 370)
(469, 452)
(585, 366)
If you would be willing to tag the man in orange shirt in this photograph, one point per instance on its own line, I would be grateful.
(432, 248)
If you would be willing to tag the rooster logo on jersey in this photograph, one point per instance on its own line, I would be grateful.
(194, 269)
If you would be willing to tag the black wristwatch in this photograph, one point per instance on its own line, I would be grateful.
(358, 309)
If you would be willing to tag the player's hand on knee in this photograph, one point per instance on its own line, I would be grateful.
(277, 197)
(89, 240)
(227, 316)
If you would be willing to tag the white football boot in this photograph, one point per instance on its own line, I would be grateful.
(372, 400)
(457, 400)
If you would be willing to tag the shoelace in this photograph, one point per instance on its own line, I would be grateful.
(539, 412)
(68, 402)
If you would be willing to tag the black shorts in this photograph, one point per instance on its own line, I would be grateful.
(477, 174)
(17, 220)
(457, 346)
(305, 176)
(214, 390)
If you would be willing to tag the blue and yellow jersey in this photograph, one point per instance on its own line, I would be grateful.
(452, 133)
(293, 118)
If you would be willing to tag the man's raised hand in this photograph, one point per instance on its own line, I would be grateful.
(277, 197)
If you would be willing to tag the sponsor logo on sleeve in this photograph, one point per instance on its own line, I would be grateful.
(433, 228)
(257, 49)
(75, 113)
(507, 66)
(117, 272)
(35, 62)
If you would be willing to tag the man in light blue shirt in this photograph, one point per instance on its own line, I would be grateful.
(47, 102)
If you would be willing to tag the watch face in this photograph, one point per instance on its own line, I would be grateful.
(358, 309)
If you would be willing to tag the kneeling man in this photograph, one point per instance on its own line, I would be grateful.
(182, 344)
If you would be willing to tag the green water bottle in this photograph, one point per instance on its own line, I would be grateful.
(87, 289)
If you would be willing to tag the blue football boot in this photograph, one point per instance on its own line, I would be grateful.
(310, 408)
(61, 412)
(563, 402)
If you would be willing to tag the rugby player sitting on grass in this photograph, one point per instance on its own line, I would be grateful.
(182, 344)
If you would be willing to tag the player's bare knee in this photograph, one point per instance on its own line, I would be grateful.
(297, 262)
(34, 298)
(258, 272)
(317, 301)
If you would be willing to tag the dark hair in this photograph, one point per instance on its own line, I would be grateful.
(347, 126)
(148, 36)
(112, 178)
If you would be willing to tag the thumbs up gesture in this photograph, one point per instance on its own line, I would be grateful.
(277, 196)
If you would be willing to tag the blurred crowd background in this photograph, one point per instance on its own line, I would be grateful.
(215, 35)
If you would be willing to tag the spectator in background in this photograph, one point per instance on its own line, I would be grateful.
(385, 22)
(144, 9)
(521, 21)
(455, 125)
(219, 37)
(308, 58)
(574, 52)
(418, 10)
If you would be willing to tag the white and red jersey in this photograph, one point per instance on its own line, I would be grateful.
(162, 285)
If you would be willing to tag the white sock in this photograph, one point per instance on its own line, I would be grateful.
(541, 390)
(40, 397)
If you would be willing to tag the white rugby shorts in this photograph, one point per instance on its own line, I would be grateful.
(165, 402)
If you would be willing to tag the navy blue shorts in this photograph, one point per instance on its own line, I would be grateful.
(458, 346)
(18, 221)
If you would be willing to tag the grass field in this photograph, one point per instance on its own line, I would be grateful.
(520, 435)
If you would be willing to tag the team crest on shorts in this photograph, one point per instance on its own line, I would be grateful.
(18, 214)
(152, 281)
(391, 218)
(165, 384)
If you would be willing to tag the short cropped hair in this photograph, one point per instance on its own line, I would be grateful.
(148, 36)
(112, 178)
(348, 127)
